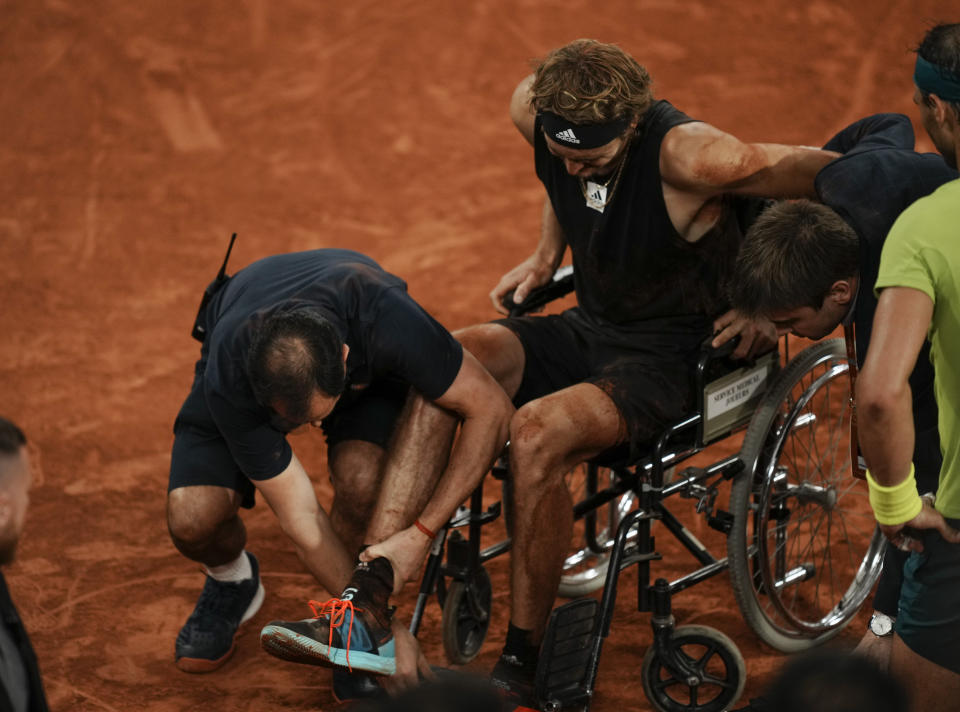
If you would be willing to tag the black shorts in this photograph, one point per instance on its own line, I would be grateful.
(369, 414)
(201, 457)
(928, 620)
(647, 370)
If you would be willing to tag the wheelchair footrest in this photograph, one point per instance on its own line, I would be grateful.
(566, 670)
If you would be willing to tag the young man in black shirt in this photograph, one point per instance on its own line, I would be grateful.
(809, 267)
(642, 195)
(899, 282)
(325, 338)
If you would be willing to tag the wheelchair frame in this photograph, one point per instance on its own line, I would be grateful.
(764, 493)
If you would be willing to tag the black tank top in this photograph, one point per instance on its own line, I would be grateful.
(630, 264)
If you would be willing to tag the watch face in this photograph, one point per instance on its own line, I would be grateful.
(881, 624)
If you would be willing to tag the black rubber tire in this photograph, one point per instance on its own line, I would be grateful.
(723, 673)
(466, 617)
(818, 497)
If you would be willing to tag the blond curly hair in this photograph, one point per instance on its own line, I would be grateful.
(589, 82)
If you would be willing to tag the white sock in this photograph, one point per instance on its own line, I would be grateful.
(236, 570)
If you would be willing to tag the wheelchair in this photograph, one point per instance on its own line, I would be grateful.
(802, 547)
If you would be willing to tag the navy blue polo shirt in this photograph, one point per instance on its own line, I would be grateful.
(388, 333)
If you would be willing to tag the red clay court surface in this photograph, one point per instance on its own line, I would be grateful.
(137, 136)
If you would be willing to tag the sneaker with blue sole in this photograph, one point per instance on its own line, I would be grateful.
(352, 631)
(208, 638)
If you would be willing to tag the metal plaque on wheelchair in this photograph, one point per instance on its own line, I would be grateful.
(729, 400)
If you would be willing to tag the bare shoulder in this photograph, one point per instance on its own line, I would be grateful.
(698, 154)
(521, 110)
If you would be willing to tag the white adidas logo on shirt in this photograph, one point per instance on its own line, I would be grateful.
(568, 136)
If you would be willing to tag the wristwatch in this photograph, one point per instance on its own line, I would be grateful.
(881, 625)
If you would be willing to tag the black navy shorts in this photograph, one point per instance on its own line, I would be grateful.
(928, 620)
(201, 457)
(647, 370)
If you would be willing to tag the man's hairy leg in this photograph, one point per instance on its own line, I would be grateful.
(931, 688)
(415, 459)
(420, 449)
(355, 470)
(548, 437)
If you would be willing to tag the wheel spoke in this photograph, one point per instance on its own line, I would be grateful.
(663, 684)
(709, 650)
(723, 682)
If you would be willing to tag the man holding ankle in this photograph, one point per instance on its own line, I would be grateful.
(324, 338)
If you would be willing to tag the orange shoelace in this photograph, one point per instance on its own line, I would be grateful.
(336, 609)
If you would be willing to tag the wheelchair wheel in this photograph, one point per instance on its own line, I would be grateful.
(466, 617)
(804, 551)
(718, 676)
(585, 568)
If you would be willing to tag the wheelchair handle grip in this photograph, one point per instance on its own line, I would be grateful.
(559, 286)
(721, 351)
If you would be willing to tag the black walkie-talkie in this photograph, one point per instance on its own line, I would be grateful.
(199, 329)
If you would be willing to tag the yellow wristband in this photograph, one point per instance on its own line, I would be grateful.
(896, 504)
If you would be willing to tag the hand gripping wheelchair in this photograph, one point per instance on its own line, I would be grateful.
(802, 547)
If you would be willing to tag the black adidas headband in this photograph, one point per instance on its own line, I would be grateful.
(581, 136)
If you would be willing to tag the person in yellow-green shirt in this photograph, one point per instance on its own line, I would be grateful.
(919, 298)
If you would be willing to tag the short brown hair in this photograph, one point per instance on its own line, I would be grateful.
(790, 258)
(292, 354)
(589, 82)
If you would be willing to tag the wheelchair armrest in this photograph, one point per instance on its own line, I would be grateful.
(708, 353)
(559, 286)
(715, 362)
